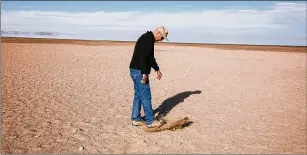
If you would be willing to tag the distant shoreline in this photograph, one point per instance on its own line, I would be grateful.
(273, 48)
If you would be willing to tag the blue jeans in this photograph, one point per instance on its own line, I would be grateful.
(142, 97)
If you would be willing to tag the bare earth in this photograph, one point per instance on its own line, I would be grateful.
(59, 97)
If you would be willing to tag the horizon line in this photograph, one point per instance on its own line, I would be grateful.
(165, 42)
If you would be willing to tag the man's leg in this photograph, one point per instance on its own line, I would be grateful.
(136, 107)
(145, 94)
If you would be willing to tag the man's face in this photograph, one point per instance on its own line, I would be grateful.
(159, 37)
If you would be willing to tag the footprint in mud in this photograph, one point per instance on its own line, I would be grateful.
(84, 126)
(79, 130)
(80, 136)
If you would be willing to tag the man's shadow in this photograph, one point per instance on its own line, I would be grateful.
(168, 104)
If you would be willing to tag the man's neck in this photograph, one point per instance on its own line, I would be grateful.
(154, 36)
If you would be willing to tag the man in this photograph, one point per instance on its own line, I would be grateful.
(140, 67)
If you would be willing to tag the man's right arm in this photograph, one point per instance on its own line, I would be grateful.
(144, 58)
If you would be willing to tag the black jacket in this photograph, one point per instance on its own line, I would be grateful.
(143, 57)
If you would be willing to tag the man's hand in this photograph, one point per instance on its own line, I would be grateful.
(144, 78)
(159, 75)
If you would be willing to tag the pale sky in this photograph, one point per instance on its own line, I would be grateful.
(241, 22)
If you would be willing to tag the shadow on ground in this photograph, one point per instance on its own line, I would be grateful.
(168, 104)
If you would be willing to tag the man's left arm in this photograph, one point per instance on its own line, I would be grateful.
(154, 64)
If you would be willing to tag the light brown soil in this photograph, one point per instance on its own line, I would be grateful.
(57, 98)
(269, 48)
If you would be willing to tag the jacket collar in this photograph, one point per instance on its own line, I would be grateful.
(152, 36)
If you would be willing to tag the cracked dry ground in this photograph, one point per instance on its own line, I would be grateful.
(57, 98)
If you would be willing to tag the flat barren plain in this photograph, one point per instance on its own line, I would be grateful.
(73, 96)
